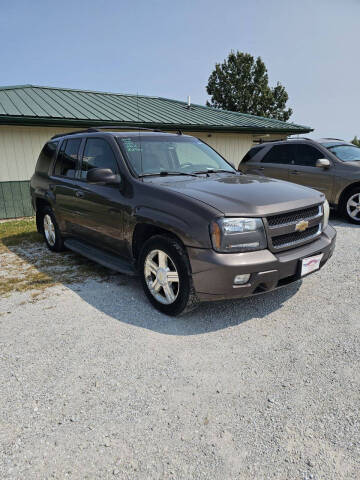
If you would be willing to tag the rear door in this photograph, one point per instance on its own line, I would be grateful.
(101, 207)
(303, 170)
(64, 185)
(273, 164)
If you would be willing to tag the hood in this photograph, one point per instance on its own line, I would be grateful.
(355, 164)
(244, 194)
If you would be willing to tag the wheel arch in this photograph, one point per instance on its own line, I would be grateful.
(346, 190)
(40, 204)
(144, 231)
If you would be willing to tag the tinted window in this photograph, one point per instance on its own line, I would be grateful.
(45, 157)
(67, 158)
(283, 154)
(251, 153)
(306, 155)
(98, 154)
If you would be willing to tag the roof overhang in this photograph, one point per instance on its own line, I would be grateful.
(69, 122)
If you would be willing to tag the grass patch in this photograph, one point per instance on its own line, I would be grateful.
(14, 232)
(27, 264)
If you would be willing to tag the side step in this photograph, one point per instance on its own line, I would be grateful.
(106, 259)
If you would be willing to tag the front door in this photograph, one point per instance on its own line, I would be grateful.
(274, 164)
(102, 207)
(303, 170)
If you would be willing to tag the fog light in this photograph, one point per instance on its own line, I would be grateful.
(241, 279)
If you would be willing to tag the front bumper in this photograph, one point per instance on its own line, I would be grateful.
(213, 273)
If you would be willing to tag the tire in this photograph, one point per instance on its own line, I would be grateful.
(51, 231)
(166, 276)
(350, 205)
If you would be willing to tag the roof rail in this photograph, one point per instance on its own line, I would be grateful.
(126, 127)
(98, 129)
(68, 133)
(330, 138)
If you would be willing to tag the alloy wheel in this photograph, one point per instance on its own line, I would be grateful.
(161, 277)
(353, 207)
(49, 230)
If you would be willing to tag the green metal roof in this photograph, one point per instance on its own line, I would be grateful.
(35, 105)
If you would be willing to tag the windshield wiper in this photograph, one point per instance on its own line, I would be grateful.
(164, 173)
(216, 170)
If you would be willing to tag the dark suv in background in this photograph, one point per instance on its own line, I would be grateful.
(171, 209)
(329, 165)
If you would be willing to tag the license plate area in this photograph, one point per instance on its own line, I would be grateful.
(310, 264)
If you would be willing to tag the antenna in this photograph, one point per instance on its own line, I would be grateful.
(138, 112)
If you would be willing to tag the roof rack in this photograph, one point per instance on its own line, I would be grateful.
(98, 129)
(330, 138)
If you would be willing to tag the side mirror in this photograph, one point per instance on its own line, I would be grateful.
(322, 163)
(103, 175)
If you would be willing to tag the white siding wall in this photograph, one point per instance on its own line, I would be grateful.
(231, 146)
(20, 148)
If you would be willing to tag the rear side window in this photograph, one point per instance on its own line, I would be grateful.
(45, 158)
(251, 153)
(67, 158)
(306, 155)
(282, 154)
(98, 154)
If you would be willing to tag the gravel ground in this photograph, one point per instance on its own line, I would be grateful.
(96, 384)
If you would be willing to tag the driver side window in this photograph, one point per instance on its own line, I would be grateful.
(306, 156)
(97, 154)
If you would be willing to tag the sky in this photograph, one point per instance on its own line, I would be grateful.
(168, 48)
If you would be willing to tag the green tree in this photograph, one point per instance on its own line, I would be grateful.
(356, 141)
(241, 84)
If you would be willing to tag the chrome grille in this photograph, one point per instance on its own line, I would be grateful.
(291, 217)
(294, 237)
(282, 232)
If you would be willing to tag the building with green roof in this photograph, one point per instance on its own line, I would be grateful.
(30, 115)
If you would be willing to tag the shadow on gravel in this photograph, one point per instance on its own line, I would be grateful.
(123, 299)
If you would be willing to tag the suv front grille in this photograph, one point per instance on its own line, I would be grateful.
(282, 232)
(295, 237)
(291, 217)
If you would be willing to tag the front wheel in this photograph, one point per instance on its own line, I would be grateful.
(166, 276)
(350, 206)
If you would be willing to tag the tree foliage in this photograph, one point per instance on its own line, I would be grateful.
(241, 84)
(356, 141)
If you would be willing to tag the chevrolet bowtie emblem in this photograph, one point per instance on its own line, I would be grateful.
(302, 226)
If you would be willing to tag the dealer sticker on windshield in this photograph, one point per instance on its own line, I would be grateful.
(310, 264)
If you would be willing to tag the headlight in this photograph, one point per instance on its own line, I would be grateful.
(238, 234)
(326, 213)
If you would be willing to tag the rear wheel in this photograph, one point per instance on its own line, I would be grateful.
(350, 206)
(166, 276)
(51, 231)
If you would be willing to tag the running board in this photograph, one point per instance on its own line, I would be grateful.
(107, 259)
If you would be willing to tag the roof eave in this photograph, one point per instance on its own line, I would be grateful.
(66, 122)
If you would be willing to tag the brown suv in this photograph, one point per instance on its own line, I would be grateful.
(329, 165)
(171, 209)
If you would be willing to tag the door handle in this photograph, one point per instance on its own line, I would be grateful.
(261, 168)
(294, 172)
(79, 194)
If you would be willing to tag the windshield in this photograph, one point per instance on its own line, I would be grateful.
(346, 153)
(151, 155)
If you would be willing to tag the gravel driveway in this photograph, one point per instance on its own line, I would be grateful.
(96, 384)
